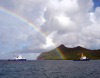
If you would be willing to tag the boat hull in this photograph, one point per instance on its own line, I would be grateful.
(82, 60)
(17, 60)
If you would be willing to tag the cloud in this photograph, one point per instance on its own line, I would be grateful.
(73, 24)
(16, 35)
(31, 10)
(68, 19)
(69, 22)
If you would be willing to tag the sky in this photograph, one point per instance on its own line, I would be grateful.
(29, 27)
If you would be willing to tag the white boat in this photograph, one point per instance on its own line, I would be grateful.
(18, 58)
(83, 58)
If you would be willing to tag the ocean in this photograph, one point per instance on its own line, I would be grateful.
(50, 69)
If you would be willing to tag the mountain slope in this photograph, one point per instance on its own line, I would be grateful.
(64, 53)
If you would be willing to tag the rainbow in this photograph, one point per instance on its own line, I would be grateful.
(31, 24)
(61, 55)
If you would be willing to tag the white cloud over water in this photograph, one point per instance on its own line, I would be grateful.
(69, 22)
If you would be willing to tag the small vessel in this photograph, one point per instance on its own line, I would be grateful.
(83, 58)
(18, 58)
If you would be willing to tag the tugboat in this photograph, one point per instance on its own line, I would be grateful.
(18, 58)
(83, 58)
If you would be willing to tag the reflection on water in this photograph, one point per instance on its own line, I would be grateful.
(50, 69)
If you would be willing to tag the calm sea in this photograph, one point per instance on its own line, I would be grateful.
(50, 69)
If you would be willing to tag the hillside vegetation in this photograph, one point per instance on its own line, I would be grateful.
(69, 53)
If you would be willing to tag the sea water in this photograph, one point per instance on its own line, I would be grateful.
(50, 69)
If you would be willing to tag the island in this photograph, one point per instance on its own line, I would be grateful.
(65, 53)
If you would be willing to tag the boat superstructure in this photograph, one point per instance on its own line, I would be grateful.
(18, 58)
(83, 57)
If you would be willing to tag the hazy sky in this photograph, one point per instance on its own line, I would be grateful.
(28, 27)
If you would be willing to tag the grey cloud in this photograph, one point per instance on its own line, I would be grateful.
(17, 35)
(68, 22)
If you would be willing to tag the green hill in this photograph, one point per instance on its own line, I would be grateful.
(69, 53)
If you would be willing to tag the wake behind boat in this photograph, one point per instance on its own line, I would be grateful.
(18, 58)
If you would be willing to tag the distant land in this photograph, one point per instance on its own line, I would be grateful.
(65, 53)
